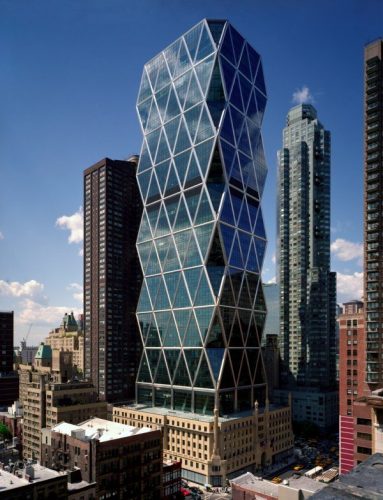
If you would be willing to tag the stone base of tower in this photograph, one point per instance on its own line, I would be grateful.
(215, 449)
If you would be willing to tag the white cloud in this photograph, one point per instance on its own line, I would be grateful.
(273, 259)
(74, 224)
(346, 250)
(302, 95)
(1, 236)
(77, 290)
(31, 288)
(271, 281)
(38, 314)
(349, 286)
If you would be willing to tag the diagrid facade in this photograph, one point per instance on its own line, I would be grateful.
(201, 240)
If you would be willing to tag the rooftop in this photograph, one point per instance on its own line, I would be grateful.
(99, 429)
(9, 480)
(44, 352)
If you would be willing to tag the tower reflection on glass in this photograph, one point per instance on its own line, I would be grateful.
(202, 240)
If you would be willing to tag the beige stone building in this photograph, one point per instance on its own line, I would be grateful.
(211, 448)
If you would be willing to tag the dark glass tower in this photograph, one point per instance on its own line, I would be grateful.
(202, 240)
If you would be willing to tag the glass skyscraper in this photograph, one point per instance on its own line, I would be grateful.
(202, 240)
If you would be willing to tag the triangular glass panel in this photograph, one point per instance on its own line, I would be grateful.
(162, 100)
(244, 377)
(153, 266)
(236, 339)
(144, 300)
(252, 281)
(153, 283)
(192, 39)
(236, 175)
(252, 356)
(182, 219)
(246, 91)
(152, 338)
(192, 197)
(182, 298)
(203, 378)
(215, 274)
(259, 303)
(252, 338)
(227, 297)
(162, 171)
(193, 176)
(215, 193)
(216, 257)
(236, 281)
(152, 70)
(244, 65)
(203, 72)
(162, 320)
(171, 338)
(205, 46)
(192, 119)
(244, 241)
(162, 375)
(244, 298)
(252, 262)
(171, 356)
(260, 80)
(203, 234)
(192, 357)
(236, 200)
(228, 72)
(182, 375)
(145, 161)
(236, 358)
(237, 119)
(216, 97)
(261, 248)
(163, 152)
(171, 205)
(172, 262)
(144, 231)
(192, 337)
(192, 277)
(152, 140)
(227, 379)
(154, 120)
(181, 85)
(193, 257)
(171, 129)
(143, 111)
(143, 183)
(244, 144)
(182, 320)
(144, 322)
(259, 226)
(181, 242)
(247, 166)
(183, 141)
(204, 213)
(143, 253)
(238, 42)
(216, 28)
(215, 356)
(244, 222)
(183, 61)
(153, 356)
(254, 59)
(173, 108)
(205, 128)
(203, 316)
(227, 211)
(252, 109)
(154, 190)
(244, 321)
(259, 319)
(260, 167)
(143, 372)
(162, 225)
(181, 163)
(172, 185)
(227, 46)
(227, 130)
(153, 211)
(163, 77)
(171, 280)
(203, 296)
(252, 206)
(236, 96)
(171, 54)
(227, 234)
(162, 245)
(236, 255)
(194, 94)
(259, 373)
(203, 152)
(261, 104)
(145, 90)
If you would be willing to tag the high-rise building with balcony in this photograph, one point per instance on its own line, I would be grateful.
(307, 287)
(201, 245)
(112, 277)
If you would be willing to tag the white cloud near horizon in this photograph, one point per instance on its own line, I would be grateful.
(74, 224)
(349, 286)
(347, 250)
(32, 289)
(77, 290)
(303, 95)
(38, 314)
(1, 235)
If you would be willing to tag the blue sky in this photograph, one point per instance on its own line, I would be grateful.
(70, 72)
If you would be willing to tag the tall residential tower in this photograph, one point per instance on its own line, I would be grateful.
(201, 245)
(307, 287)
(112, 277)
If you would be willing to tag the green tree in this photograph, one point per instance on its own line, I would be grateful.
(5, 432)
